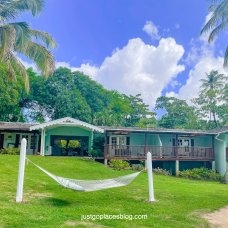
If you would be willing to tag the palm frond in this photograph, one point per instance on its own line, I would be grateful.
(225, 63)
(10, 71)
(219, 17)
(10, 9)
(216, 30)
(41, 56)
(7, 41)
(45, 37)
(19, 67)
(22, 33)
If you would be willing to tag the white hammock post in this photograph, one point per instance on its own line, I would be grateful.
(150, 178)
(21, 171)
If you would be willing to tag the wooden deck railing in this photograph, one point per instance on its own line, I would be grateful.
(158, 152)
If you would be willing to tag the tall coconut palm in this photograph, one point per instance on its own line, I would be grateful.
(213, 81)
(211, 92)
(18, 38)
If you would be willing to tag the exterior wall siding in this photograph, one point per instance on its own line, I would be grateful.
(10, 140)
(167, 140)
(66, 131)
(220, 153)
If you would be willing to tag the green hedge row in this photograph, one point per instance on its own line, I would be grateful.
(11, 151)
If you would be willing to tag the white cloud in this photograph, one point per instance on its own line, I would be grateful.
(205, 65)
(174, 83)
(142, 68)
(171, 94)
(85, 68)
(201, 58)
(151, 29)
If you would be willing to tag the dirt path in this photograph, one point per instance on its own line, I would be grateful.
(218, 219)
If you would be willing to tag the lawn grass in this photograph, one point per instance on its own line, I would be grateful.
(47, 204)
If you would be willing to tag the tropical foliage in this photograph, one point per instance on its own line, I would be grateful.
(217, 23)
(74, 94)
(18, 38)
(212, 100)
(10, 94)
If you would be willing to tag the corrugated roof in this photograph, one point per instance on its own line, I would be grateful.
(19, 126)
(166, 130)
(219, 130)
(16, 126)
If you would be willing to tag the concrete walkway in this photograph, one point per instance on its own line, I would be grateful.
(218, 219)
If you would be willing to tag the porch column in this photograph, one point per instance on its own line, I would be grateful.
(177, 168)
(34, 142)
(41, 142)
(105, 150)
(145, 144)
(176, 147)
(213, 165)
(42, 147)
(91, 142)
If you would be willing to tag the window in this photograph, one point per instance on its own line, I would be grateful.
(33, 142)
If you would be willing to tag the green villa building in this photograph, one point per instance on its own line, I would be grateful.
(172, 149)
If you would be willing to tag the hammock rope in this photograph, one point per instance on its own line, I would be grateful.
(90, 185)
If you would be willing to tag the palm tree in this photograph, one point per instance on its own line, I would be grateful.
(211, 88)
(217, 23)
(18, 38)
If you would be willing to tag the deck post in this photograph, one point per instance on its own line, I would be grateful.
(145, 143)
(177, 168)
(213, 165)
(42, 142)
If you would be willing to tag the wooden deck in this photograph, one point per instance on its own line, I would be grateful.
(159, 153)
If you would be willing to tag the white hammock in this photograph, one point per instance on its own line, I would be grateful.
(90, 185)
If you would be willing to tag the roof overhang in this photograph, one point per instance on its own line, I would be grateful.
(67, 121)
(157, 131)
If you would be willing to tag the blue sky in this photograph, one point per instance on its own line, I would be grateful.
(134, 46)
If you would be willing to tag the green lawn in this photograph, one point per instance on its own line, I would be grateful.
(46, 204)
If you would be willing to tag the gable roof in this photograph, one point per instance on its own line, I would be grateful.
(66, 121)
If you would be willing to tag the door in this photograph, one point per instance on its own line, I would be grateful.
(27, 137)
(119, 145)
(184, 145)
(1, 140)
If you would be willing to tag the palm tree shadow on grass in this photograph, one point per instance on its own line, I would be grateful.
(57, 202)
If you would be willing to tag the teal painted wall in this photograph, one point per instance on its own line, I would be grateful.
(203, 141)
(137, 139)
(67, 131)
(220, 153)
(167, 139)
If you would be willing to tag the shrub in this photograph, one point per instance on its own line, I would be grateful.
(119, 164)
(201, 174)
(11, 151)
(161, 171)
(138, 167)
(96, 153)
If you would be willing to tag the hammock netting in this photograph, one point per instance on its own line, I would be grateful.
(90, 185)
